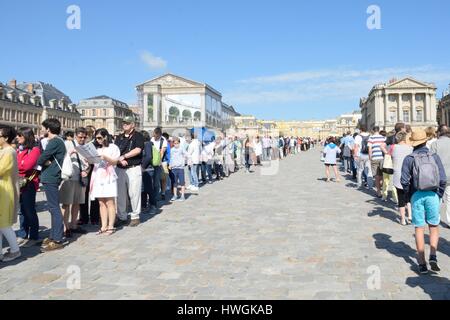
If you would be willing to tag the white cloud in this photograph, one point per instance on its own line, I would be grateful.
(340, 84)
(153, 62)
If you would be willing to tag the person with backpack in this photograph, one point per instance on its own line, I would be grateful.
(424, 180)
(51, 161)
(347, 145)
(159, 150)
(72, 191)
(362, 159)
(148, 196)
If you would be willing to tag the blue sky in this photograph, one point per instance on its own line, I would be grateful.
(273, 59)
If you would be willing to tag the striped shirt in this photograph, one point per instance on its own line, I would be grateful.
(376, 142)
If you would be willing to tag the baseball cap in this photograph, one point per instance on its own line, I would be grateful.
(128, 119)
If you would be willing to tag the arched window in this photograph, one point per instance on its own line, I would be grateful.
(197, 116)
(173, 113)
(187, 115)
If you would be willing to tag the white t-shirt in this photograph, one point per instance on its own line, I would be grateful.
(358, 141)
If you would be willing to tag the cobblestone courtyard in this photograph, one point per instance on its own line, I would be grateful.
(284, 236)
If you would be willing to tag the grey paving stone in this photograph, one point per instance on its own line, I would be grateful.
(287, 236)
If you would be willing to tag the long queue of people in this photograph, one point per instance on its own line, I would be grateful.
(413, 167)
(132, 173)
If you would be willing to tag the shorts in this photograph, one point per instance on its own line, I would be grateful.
(330, 164)
(425, 209)
(178, 174)
(71, 192)
(403, 198)
(376, 168)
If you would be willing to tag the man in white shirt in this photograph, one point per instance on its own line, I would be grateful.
(194, 151)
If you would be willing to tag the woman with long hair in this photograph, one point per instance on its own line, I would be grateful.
(9, 193)
(104, 180)
(28, 153)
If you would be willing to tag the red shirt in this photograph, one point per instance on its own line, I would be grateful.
(26, 161)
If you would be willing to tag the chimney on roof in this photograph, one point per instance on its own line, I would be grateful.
(13, 83)
(30, 88)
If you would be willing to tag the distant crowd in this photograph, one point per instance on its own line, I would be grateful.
(413, 166)
(131, 174)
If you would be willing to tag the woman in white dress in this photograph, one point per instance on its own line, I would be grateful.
(104, 180)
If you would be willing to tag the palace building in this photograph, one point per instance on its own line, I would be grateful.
(174, 102)
(29, 104)
(406, 100)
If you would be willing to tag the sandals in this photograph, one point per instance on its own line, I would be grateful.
(111, 231)
(101, 232)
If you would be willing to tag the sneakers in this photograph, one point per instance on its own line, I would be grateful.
(28, 243)
(10, 256)
(52, 246)
(134, 223)
(423, 269)
(195, 189)
(174, 198)
(434, 264)
(182, 198)
(20, 240)
(152, 211)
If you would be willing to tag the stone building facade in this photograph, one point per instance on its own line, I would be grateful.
(407, 100)
(173, 102)
(444, 108)
(29, 104)
(105, 112)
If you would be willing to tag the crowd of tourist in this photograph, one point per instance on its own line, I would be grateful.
(413, 166)
(131, 174)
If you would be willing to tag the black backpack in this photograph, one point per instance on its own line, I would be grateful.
(365, 145)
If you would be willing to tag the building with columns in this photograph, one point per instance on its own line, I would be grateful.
(444, 108)
(173, 102)
(104, 112)
(406, 100)
(29, 104)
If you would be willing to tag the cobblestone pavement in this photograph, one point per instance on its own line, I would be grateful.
(251, 236)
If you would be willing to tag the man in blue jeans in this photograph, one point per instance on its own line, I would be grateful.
(51, 161)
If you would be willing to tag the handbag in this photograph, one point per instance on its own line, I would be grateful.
(83, 180)
(23, 182)
(387, 165)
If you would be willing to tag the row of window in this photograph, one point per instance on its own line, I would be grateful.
(104, 113)
(406, 97)
(406, 116)
(20, 116)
